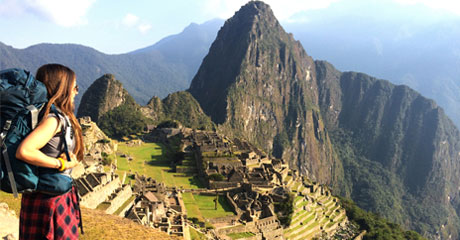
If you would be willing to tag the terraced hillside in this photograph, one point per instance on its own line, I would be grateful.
(316, 212)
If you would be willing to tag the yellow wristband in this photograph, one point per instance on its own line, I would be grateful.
(62, 168)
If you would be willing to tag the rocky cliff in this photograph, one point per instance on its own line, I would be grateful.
(399, 139)
(259, 84)
(389, 148)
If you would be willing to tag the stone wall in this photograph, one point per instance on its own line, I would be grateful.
(190, 169)
(99, 194)
(94, 139)
(249, 227)
(125, 210)
(256, 237)
(222, 184)
(233, 204)
(121, 197)
(227, 219)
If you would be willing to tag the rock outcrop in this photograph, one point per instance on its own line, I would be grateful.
(9, 223)
(95, 140)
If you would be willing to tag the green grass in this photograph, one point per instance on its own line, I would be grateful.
(194, 235)
(207, 206)
(125, 204)
(103, 206)
(151, 160)
(202, 207)
(240, 235)
(191, 206)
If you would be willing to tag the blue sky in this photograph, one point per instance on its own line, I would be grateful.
(119, 26)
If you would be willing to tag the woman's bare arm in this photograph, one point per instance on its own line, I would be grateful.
(29, 149)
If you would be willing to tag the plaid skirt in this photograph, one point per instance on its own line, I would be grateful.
(49, 217)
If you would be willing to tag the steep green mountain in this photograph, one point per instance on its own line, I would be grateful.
(396, 146)
(117, 113)
(180, 106)
(390, 149)
(112, 108)
(105, 94)
(259, 84)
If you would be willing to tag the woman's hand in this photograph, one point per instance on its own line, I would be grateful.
(69, 164)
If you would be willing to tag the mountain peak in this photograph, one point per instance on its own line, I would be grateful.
(252, 40)
(255, 8)
(103, 95)
(257, 82)
(256, 17)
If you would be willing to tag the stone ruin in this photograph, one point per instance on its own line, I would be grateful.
(96, 142)
(158, 207)
(237, 162)
(96, 189)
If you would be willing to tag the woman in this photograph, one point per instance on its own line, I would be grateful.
(44, 216)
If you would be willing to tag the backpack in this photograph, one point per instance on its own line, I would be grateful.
(22, 98)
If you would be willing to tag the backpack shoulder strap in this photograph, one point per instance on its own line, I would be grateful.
(65, 123)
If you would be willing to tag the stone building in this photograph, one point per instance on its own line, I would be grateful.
(157, 207)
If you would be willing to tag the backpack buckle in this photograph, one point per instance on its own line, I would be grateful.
(5, 130)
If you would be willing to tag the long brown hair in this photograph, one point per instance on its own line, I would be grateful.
(59, 81)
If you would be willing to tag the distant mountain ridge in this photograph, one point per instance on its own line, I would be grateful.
(158, 70)
(144, 74)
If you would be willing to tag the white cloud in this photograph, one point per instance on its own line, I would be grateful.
(452, 6)
(143, 28)
(66, 13)
(130, 20)
(283, 10)
(133, 21)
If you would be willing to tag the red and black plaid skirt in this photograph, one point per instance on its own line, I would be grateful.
(49, 217)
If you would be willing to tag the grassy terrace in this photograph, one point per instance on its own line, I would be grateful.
(202, 207)
(151, 160)
(240, 235)
(194, 235)
(124, 205)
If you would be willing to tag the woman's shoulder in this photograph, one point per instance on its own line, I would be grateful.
(55, 120)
